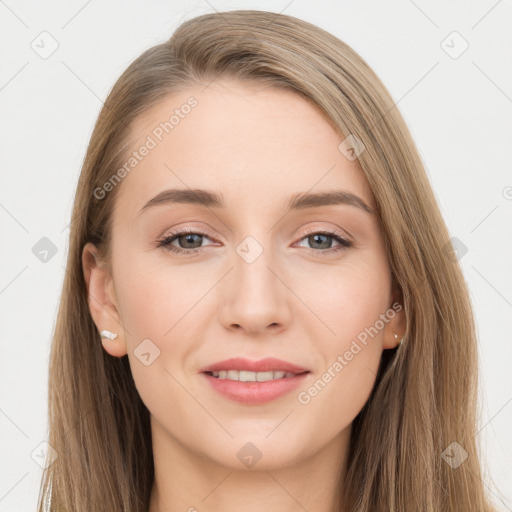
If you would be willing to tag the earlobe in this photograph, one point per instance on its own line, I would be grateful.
(109, 335)
(396, 326)
(393, 334)
(102, 304)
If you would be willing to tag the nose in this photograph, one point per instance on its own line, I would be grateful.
(256, 298)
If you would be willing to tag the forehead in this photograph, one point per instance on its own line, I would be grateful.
(256, 144)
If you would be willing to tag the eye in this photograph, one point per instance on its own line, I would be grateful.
(190, 242)
(321, 241)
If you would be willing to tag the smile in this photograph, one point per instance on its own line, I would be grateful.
(253, 388)
(247, 376)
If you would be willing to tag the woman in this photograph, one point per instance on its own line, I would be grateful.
(261, 307)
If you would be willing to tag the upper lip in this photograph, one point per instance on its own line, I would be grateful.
(269, 364)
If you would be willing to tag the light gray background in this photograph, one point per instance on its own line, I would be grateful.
(458, 110)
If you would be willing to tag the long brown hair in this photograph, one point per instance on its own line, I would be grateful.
(425, 395)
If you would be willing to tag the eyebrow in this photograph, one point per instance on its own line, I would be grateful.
(298, 201)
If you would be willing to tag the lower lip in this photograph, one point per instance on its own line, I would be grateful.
(255, 392)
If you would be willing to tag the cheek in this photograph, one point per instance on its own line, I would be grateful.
(346, 299)
(154, 296)
(350, 361)
(350, 302)
(160, 302)
(154, 301)
(338, 394)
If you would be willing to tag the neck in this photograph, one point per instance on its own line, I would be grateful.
(186, 480)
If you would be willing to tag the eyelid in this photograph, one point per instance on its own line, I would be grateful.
(345, 241)
(185, 230)
(203, 231)
(178, 232)
(332, 231)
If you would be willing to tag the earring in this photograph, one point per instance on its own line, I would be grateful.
(109, 335)
(396, 337)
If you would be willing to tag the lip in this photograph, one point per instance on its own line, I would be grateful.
(254, 393)
(269, 364)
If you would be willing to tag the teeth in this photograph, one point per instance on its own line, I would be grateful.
(245, 376)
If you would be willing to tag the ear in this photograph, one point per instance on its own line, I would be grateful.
(397, 321)
(102, 300)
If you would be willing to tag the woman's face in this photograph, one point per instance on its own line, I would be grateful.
(255, 277)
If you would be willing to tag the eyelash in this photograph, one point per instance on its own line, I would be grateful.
(167, 240)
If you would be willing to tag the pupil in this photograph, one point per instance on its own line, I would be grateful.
(314, 237)
(188, 238)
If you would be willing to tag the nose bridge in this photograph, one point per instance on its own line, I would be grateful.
(252, 263)
(256, 296)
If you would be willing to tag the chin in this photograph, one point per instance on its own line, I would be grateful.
(253, 452)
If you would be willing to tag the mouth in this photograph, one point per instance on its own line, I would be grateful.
(254, 388)
(254, 382)
(241, 365)
(248, 376)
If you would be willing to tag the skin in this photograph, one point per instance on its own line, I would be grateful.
(257, 146)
